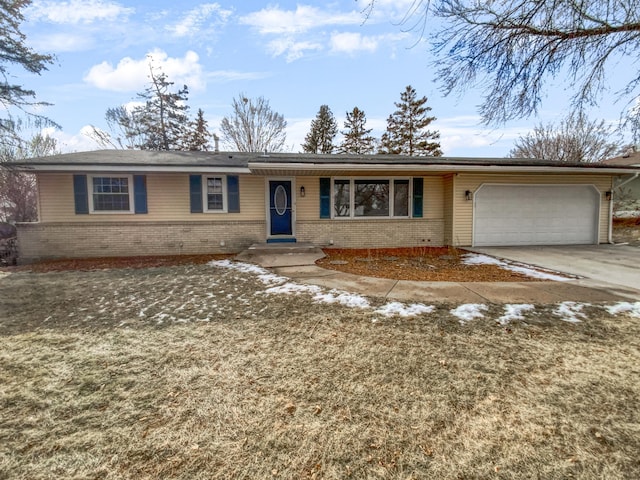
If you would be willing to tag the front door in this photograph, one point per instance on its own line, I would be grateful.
(280, 215)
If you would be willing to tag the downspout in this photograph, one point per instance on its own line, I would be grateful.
(633, 177)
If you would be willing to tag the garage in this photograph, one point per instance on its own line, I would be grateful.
(535, 215)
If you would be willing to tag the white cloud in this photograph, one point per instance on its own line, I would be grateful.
(193, 21)
(73, 142)
(273, 20)
(130, 74)
(464, 132)
(351, 42)
(293, 50)
(63, 42)
(76, 11)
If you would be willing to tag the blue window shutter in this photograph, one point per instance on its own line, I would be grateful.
(195, 191)
(325, 198)
(418, 189)
(140, 193)
(80, 194)
(233, 194)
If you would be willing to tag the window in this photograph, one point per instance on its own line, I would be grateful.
(354, 198)
(111, 194)
(215, 194)
(342, 198)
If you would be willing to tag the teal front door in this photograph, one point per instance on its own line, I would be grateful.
(280, 214)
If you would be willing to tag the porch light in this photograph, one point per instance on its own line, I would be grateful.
(468, 195)
(607, 195)
(302, 192)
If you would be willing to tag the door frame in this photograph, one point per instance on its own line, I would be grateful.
(267, 198)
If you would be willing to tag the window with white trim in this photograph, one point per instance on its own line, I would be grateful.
(371, 197)
(214, 193)
(111, 194)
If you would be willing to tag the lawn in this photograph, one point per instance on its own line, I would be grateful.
(207, 372)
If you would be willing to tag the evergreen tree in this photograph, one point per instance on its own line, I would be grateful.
(406, 128)
(323, 130)
(197, 135)
(356, 138)
(14, 51)
(163, 117)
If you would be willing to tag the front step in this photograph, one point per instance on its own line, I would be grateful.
(282, 247)
(281, 254)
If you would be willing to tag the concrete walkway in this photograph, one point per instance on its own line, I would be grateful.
(298, 263)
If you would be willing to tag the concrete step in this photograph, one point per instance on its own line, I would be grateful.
(281, 254)
(282, 247)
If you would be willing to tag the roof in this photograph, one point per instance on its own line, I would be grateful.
(627, 159)
(292, 163)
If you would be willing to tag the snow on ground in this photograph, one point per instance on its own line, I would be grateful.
(468, 312)
(278, 285)
(571, 311)
(514, 312)
(396, 308)
(529, 271)
(632, 309)
(264, 275)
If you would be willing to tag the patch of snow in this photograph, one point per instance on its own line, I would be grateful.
(263, 274)
(514, 311)
(292, 288)
(478, 259)
(352, 300)
(402, 310)
(633, 309)
(571, 311)
(468, 312)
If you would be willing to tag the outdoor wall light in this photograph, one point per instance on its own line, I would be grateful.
(302, 192)
(607, 195)
(468, 195)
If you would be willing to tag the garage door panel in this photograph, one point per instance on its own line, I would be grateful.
(535, 215)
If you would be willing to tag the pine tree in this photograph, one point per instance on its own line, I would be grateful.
(323, 130)
(16, 52)
(197, 135)
(163, 118)
(356, 138)
(406, 128)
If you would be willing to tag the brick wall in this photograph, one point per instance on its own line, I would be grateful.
(372, 233)
(102, 239)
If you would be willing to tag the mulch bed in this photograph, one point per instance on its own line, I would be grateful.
(434, 264)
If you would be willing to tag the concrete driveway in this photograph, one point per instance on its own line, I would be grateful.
(613, 267)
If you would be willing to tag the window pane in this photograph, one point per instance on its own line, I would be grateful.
(401, 198)
(111, 194)
(371, 198)
(341, 198)
(214, 193)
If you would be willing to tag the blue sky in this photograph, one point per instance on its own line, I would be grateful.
(298, 55)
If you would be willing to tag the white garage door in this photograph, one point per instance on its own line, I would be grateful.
(535, 215)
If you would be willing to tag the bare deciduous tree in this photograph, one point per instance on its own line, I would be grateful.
(18, 199)
(513, 47)
(574, 140)
(253, 126)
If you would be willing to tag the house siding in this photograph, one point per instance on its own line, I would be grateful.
(448, 212)
(167, 200)
(463, 209)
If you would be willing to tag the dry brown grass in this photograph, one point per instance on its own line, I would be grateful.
(306, 391)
